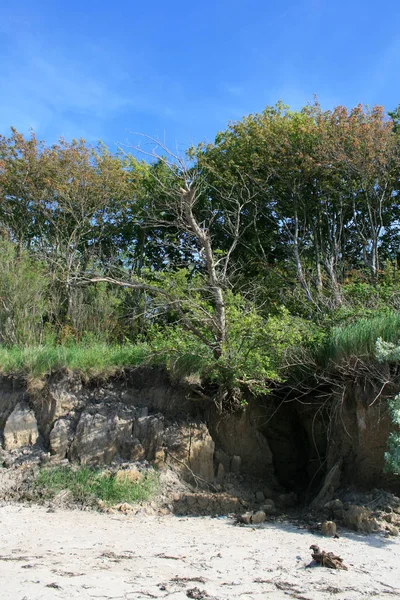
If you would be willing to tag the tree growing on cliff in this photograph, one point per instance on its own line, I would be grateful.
(230, 340)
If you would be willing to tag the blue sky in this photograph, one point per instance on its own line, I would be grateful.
(99, 70)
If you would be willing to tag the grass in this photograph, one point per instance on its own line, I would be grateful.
(88, 485)
(92, 360)
(359, 338)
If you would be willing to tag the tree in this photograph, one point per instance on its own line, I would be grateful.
(199, 295)
(325, 187)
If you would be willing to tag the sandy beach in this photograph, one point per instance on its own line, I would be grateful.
(76, 554)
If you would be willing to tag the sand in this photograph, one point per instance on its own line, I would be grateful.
(75, 554)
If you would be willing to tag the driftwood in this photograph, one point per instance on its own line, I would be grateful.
(327, 559)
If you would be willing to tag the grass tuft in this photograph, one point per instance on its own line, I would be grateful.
(359, 338)
(87, 485)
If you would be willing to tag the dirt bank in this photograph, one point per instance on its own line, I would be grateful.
(72, 554)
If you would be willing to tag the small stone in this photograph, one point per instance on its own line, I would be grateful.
(258, 517)
(45, 458)
(123, 507)
(246, 518)
(392, 530)
(328, 528)
(334, 505)
(269, 507)
(389, 518)
(260, 497)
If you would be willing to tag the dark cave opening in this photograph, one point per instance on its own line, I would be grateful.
(298, 445)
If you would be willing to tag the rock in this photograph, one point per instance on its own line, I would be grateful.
(63, 497)
(99, 438)
(60, 438)
(260, 497)
(288, 500)
(331, 483)
(21, 428)
(148, 430)
(45, 458)
(245, 518)
(220, 472)
(360, 519)
(59, 398)
(258, 517)
(392, 530)
(328, 528)
(201, 457)
(206, 504)
(268, 493)
(390, 518)
(190, 450)
(159, 459)
(334, 509)
(269, 507)
(137, 451)
(223, 458)
(128, 475)
(249, 518)
(236, 464)
(123, 507)
(334, 504)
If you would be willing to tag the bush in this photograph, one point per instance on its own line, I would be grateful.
(23, 297)
(253, 355)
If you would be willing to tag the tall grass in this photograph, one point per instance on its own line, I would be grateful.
(92, 360)
(359, 338)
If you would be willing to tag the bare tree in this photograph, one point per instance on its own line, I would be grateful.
(182, 203)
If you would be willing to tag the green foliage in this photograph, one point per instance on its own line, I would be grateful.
(23, 296)
(252, 355)
(390, 352)
(392, 456)
(387, 351)
(88, 485)
(303, 203)
(92, 360)
(358, 339)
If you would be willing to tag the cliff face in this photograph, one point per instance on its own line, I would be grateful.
(142, 415)
(358, 437)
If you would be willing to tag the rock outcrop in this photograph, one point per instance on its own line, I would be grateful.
(21, 428)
